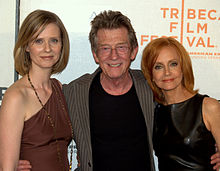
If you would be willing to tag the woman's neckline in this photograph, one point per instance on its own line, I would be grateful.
(188, 99)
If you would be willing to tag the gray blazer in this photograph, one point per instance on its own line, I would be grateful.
(77, 97)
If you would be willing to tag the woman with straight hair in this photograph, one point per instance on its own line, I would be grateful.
(34, 123)
(186, 123)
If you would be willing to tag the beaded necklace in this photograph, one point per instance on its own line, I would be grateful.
(52, 124)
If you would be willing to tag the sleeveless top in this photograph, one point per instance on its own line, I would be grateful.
(38, 142)
(181, 139)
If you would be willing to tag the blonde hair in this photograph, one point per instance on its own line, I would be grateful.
(149, 57)
(35, 22)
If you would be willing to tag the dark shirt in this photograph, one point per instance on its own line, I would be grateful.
(181, 139)
(118, 131)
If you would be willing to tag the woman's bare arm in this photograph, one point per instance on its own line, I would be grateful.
(211, 116)
(11, 126)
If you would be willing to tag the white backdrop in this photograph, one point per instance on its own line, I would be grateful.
(194, 23)
(7, 39)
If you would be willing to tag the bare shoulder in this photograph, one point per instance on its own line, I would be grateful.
(211, 104)
(14, 98)
(16, 91)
